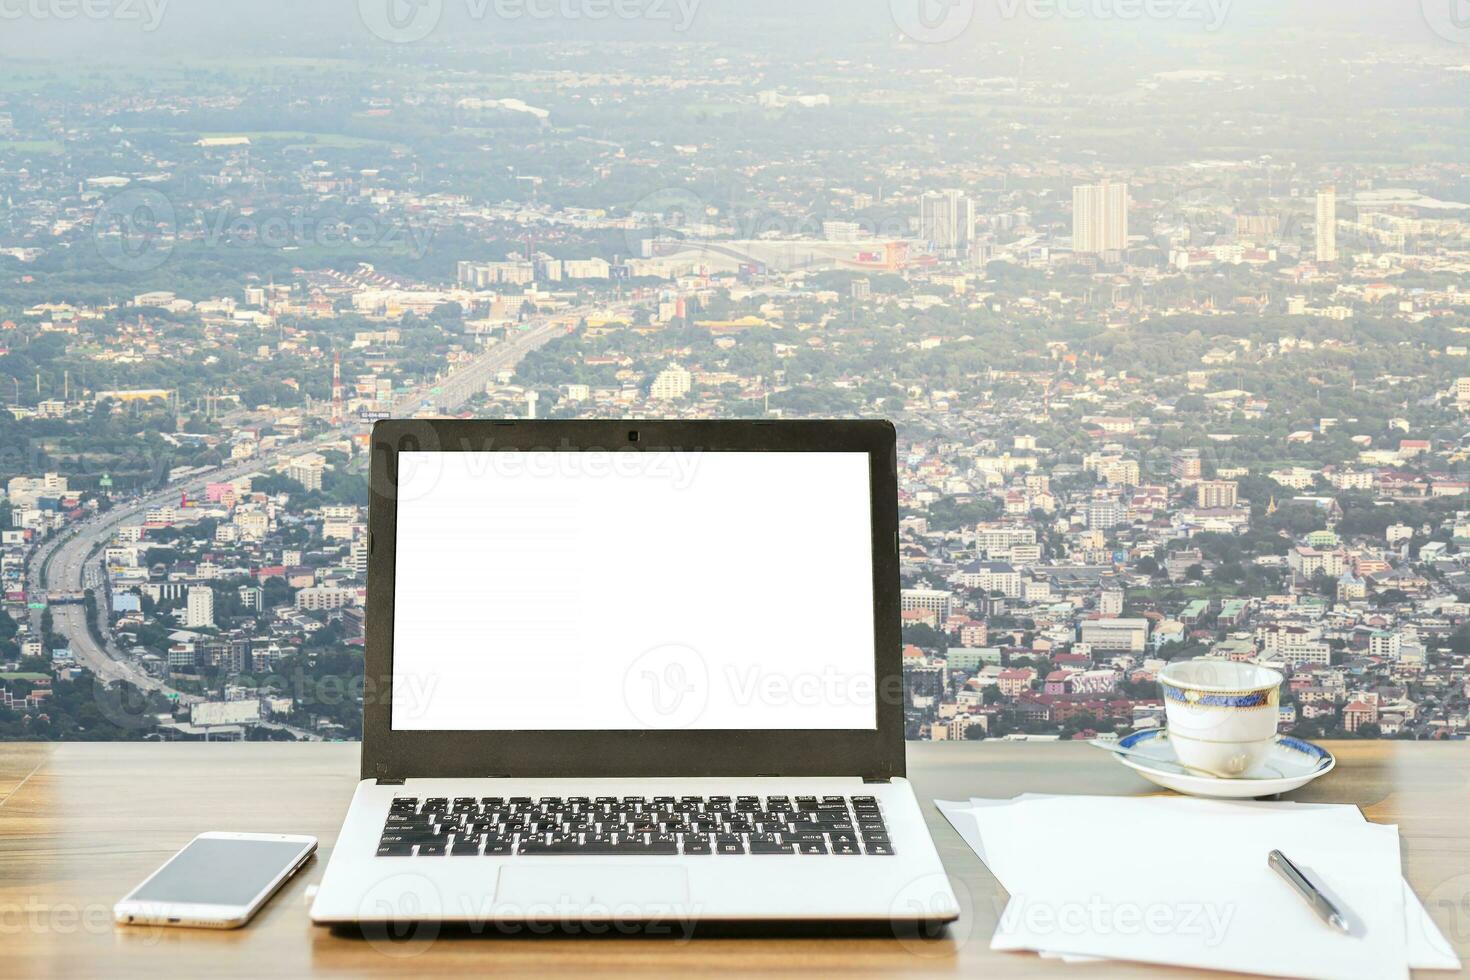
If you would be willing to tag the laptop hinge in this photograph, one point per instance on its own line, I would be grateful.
(381, 781)
(877, 779)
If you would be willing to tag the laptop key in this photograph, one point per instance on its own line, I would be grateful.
(811, 847)
(395, 850)
(405, 820)
(879, 848)
(575, 847)
(462, 848)
(730, 847)
(499, 847)
(770, 847)
(697, 845)
(432, 850)
(396, 838)
(844, 847)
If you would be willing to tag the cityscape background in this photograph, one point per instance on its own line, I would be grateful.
(1168, 302)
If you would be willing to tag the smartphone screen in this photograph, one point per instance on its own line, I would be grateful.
(220, 871)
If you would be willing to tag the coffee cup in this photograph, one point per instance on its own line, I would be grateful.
(1221, 714)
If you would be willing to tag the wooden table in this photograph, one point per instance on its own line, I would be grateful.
(80, 824)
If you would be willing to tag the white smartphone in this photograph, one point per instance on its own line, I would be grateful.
(218, 881)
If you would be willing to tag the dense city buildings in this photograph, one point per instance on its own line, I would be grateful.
(1179, 357)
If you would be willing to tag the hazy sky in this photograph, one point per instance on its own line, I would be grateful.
(159, 28)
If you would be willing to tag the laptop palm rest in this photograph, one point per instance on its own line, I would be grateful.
(552, 891)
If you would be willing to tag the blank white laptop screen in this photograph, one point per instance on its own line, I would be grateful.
(596, 591)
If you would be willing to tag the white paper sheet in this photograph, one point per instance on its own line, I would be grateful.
(1218, 906)
(1009, 834)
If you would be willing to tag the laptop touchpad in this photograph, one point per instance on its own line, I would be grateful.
(628, 892)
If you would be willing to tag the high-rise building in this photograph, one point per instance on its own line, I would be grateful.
(1186, 465)
(357, 556)
(947, 220)
(307, 470)
(1214, 494)
(1099, 218)
(1116, 635)
(1102, 515)
(937, 601)
(199, 610)
(1327, 225)
(672, 382)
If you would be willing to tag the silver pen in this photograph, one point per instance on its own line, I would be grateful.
(1319, 902)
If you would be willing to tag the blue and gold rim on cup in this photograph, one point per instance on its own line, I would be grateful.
(1223, 699)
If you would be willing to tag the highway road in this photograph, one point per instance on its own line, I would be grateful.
(66, 563)
(449, 393)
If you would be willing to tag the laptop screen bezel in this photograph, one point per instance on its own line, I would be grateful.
(388, 754)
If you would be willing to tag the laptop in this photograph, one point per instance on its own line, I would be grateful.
(633, 673)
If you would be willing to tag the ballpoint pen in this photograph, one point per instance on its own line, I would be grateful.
(1319, 902)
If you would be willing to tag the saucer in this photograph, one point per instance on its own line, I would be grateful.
(1290, 765)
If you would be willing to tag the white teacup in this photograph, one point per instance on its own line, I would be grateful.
(1222, 715)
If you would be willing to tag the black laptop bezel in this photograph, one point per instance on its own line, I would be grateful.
(394, 755)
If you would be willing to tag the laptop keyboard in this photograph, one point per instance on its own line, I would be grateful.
(661, 825)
